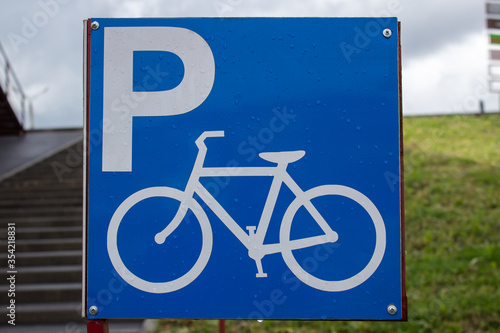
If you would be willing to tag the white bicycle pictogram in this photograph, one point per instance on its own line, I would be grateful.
(254, 239)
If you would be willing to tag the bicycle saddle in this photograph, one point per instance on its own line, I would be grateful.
(283, 156)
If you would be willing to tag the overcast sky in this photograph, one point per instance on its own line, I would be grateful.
(444, 45)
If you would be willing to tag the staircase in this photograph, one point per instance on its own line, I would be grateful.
(46, 210)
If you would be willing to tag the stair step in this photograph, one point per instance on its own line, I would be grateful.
(50, 166)
(36, 197)
(56, 312)
(14, 213)
(20, 186)
(71, 326)
(43, 292)
(45, 232)
(16, 193)
(42, 202)
(39, 258)
(49, 221)
(31, 245)
(51, 169)
(46, 179)
(45, 274)
(80, 326)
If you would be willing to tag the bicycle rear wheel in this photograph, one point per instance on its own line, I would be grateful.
(326, 284)
(167, 285)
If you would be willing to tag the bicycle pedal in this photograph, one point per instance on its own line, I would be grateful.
(261, 275)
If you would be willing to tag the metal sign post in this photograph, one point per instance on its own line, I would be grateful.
(244, 169)
(97, 326)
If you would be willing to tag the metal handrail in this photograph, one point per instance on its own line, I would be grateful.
(12, 88)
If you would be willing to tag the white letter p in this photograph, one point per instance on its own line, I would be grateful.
(119, 45)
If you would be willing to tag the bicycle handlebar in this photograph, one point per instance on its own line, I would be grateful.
(208, 134)
(214, 134)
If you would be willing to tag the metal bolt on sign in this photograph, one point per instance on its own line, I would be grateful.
(93, 310)
(387, 32)
(94, 25)
(392, 309)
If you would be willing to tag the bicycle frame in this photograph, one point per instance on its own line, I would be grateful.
(254, 240)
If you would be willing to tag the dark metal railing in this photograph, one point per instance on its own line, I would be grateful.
(12, 88)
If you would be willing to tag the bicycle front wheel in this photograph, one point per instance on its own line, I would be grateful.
(354, 278)
(166, 285)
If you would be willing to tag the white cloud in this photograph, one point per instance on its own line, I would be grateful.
(453, 79)
(444, 45)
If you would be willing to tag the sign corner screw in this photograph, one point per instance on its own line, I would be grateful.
(93, 310)
(94, 25)
(392, 309)
(387, 33)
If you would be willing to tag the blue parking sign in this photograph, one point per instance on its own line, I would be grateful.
(244, 169)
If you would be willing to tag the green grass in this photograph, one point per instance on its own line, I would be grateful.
(452, 209)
